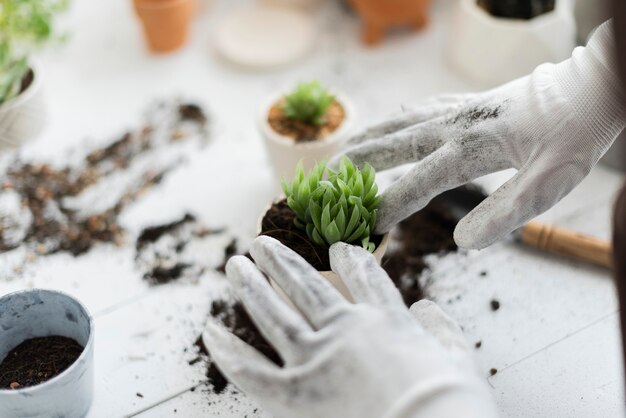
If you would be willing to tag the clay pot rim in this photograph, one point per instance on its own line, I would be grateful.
(380, 250)
(337, 135)
(30, 91)
(30, 390)
(560, 7)
(157, 4)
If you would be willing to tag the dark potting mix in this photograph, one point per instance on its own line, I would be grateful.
(304, 132)
(36, 360)
(517, 9)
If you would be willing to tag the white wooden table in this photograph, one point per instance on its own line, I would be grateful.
(554, 341)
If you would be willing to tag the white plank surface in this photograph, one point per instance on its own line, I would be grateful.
(555, 338)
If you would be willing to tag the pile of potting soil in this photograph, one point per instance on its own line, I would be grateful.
(45, 208)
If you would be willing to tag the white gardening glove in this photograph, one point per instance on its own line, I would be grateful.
(553, 126)
(371, 359)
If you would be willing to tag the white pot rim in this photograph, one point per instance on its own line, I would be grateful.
(379, 252)
(286, 141)
(29, 391)
(30, 91)
(471, 7)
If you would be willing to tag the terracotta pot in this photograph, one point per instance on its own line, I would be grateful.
(165, 22)
(380, 15)
(331, 276)
(285, 152)
(22, 118)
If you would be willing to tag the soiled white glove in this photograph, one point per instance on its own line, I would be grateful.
(553, 126)
(371, 359)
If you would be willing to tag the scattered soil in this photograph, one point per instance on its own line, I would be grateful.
(43, 190)
(517, 9)
(229, 251)
(304, 132)
(495, 305)
(235, 318)
(478, 344)
(473, 115)
(36, 360)
(278, 223)
(493, 371)
(160, 250)
(428, 231)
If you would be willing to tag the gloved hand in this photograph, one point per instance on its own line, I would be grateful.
(371, 359)
(553, 126)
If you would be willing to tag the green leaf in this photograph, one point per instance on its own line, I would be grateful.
(316, 215)
(332, 234)
(340, 220)
(317, 238)
(285, 186)
(354, 221)
(358, 233)
(325, 217)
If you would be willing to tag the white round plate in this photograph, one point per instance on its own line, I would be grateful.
(265, 37)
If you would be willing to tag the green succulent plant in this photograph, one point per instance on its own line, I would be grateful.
(341, 208)
(308, 103)
(24, 25)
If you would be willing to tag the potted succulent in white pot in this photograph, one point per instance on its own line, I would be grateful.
(46, 355)
(315, 212)
(25, 25)
(494, 42)
(307, 125)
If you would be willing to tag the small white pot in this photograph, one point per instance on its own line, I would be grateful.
(22, 118)
(331, 276)
(285, 153)
(41, 313)
(490, 50)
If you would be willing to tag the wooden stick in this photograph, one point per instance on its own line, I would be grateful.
(569, 243)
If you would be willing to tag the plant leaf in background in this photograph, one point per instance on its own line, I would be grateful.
(342, 208)
(308, 103)
(25, 25)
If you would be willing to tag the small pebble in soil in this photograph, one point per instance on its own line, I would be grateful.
(139, 395)
(478, 344)
(483, 273)
(493, 371)
(495, 305)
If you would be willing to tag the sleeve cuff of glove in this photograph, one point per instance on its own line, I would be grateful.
(589, 83)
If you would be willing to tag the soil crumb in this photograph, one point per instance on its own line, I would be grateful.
(493, 371)
(36, 360)
(303, 132)
(478, 344)
(495, 305)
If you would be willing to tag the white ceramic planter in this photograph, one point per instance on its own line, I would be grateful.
(22, 118)
(331, 276)
(41, 313)
(285, 153)
(490, 51)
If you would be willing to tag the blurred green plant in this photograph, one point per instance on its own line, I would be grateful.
(308, 103)
(24, 26)
(342, 208)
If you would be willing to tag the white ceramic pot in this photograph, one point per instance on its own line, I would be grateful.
(41, 313)
(22, 118)
(285, 153)
(490, 51)
(331, 276)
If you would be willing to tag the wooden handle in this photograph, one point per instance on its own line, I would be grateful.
(566, 242)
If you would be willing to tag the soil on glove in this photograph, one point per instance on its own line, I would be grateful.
(517, 9)
(305, 132)
(36, 360)
(278, 223)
